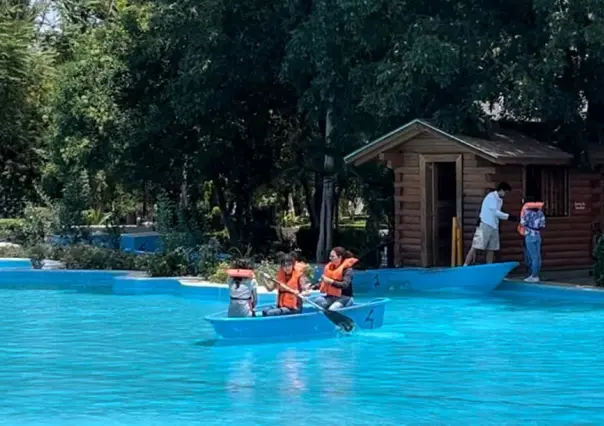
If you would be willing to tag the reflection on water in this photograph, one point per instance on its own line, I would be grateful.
(241, 378)
(292, 369)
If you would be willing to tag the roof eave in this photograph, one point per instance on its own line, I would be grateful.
(371, 150)
(543, 161)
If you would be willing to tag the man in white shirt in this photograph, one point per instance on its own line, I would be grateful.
(486, 236)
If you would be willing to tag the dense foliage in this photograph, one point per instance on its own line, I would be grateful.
(239, 113)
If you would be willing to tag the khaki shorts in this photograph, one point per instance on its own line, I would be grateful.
(486, 238)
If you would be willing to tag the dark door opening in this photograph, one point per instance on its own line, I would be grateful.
(445, 206)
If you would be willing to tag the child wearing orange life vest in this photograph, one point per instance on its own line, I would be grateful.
(291, 274)
(243, 291)
(532, 220)
(336, 282)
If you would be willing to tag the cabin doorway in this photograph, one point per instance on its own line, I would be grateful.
(445, 209)
(442, 202)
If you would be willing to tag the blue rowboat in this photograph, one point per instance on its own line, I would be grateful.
(477, 279)
(310, 324)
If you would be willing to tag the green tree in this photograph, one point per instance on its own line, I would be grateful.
(25, 80)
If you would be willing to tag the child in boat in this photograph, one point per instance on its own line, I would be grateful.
(291, 275)
(243, 290)
(532, 220)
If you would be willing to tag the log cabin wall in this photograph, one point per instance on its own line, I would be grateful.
(407, 248)
(566, 240)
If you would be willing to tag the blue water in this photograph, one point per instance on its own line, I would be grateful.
(90, 359)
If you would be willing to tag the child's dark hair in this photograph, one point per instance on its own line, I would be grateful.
(242, 263)
(284, 258)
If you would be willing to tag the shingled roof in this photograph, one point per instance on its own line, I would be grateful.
(505, 147)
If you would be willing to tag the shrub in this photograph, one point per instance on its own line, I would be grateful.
(207, 262)
(174, 263)
(83, 256)
(219, 275)
(13, 252)
(38, 223)
(11, 230)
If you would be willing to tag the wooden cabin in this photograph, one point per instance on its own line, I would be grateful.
(439, 176)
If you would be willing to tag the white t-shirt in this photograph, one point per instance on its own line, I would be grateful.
(490, 211)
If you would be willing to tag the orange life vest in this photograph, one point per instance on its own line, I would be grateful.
(240, 273)
(284, 298)
(525, 206)
(336, 274)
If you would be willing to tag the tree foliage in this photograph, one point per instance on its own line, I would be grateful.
(222, 105)
(25, 80)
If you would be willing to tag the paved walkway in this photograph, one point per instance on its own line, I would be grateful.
(580, 277)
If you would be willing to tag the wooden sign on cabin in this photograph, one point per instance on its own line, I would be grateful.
(579, 206)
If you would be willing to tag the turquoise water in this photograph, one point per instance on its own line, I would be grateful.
(91, 359)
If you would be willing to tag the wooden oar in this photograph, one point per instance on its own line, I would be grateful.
(340, 320)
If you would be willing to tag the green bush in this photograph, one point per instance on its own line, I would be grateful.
(83, 256)
(13, 252)
(79, 256)
(174, 263)
(219, 275)
(38, 223)
(11, 230)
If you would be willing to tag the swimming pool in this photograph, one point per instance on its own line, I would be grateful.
(86, 359)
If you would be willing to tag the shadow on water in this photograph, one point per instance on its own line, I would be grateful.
(217, 342)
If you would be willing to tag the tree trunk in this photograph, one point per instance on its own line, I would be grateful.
(318, 199)
(290, 204)
(326, 220)
(309, 202)
(184, 195)
(336, 206)
(225, 211)
(145, 196)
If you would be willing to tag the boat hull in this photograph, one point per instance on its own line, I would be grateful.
(477, 279)
(310, 324)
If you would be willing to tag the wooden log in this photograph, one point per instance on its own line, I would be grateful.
(407, 241)
(405, 234)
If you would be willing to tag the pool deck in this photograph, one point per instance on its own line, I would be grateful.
(581, 278)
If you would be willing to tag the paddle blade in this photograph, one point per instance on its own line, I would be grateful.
(340, 320)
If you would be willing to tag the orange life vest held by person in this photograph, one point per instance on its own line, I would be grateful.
(336, 274)
(240, 273)
(525, 206)
(284, 298)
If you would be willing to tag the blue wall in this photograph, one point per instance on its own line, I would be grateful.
(16, 263)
